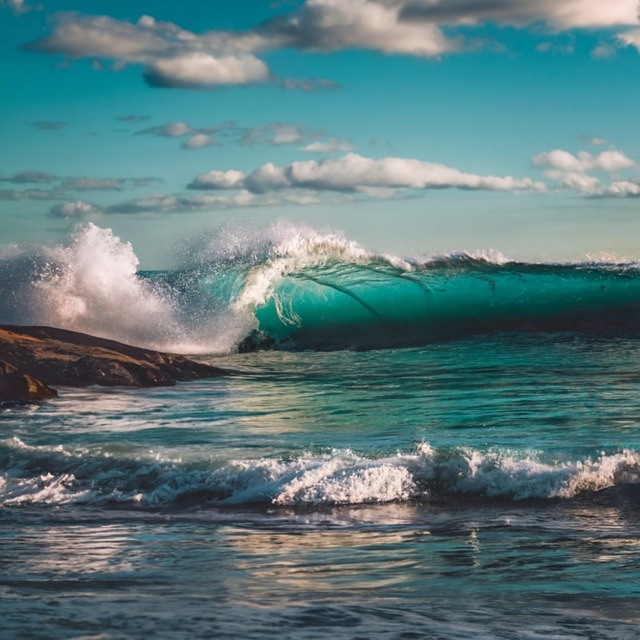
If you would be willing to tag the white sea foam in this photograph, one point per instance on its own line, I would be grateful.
(92, 285)
(212, 303)
(338, 477)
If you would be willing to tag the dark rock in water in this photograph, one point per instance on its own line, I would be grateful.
(19, 387)
(61, 357)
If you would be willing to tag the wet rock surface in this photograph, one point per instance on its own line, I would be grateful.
(35, 358)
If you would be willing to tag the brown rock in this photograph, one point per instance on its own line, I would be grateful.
(61, 357)
(19, 387)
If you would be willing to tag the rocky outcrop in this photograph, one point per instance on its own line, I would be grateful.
(19, 387)
(59, 357)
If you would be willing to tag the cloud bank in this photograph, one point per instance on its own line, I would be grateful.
(584, 172)
(173, 57)
(358, 174)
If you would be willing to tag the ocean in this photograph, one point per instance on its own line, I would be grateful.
(445, 447)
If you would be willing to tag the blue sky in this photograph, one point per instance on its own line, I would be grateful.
(415, 126)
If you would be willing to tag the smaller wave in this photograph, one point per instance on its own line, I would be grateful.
(58, 476)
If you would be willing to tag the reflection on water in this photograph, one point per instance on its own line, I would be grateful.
(70, 552)
(401, 568)
(454, 568)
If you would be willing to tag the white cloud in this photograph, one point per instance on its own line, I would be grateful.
(199, 141)
(202, 70)
(581, 182)
(557, 14)
(630, 39)
(175, 57)
(331, 25)
(574, 172)
(582, 162)
(622, 189)
(74, 209)
(230, 179)
(332, 145)
(172, 56)
(355, 173)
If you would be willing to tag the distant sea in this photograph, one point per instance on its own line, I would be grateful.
(446, 447)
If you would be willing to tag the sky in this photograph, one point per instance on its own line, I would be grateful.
(412, 126)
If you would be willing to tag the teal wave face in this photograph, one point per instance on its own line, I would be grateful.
(364, 306)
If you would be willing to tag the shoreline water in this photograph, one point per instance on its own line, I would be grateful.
(481, 481)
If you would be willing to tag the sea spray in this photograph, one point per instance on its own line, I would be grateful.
(292, 287)
(64, 475)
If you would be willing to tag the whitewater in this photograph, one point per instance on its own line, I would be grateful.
(429, 447)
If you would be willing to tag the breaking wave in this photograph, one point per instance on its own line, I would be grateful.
(292, 288)
(59, 475)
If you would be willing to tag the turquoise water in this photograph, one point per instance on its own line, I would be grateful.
(279, 502)
(439, 448)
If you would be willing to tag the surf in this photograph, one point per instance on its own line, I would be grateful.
(62, 475)
(289, 287)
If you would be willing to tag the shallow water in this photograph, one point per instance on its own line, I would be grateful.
(485, 487)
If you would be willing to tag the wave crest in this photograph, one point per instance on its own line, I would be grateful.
(293, 287)
(339, 477)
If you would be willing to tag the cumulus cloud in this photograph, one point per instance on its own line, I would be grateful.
(575, 172)
(198, 137)
(622, 189)
(332, 25)
(170, 56)
(230, 179)
(556, 14)
(583, 161)
(73, 209)
(359, 174)
(202, 70)
(426, 28)
(175, 57)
